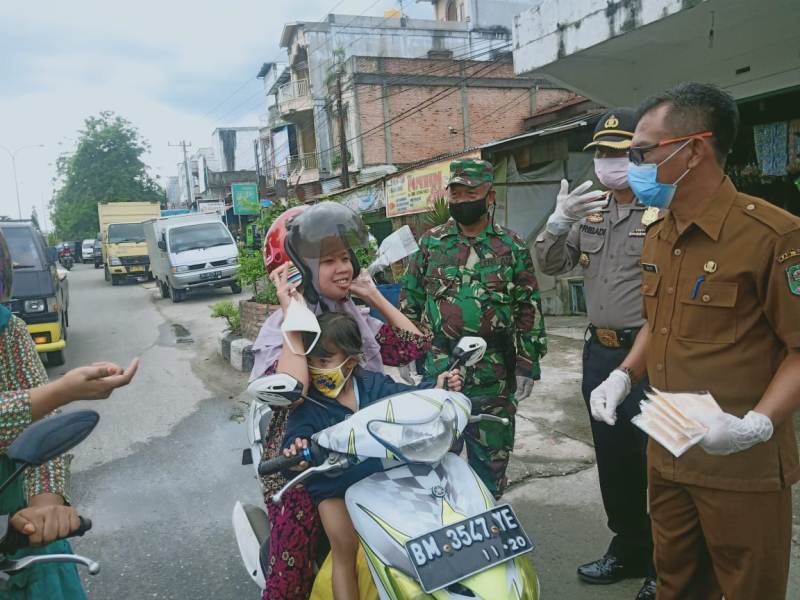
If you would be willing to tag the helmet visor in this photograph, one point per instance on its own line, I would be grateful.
(326, 228)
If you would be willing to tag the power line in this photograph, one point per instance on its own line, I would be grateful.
(418, 107)
(275, 59)
(422, 105)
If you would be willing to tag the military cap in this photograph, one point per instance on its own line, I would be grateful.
(471, 172)
(614, 129)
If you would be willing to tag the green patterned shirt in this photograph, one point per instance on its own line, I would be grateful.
(484, 286)
(22, 369)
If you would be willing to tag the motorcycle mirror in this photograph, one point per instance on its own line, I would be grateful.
(51, 437)
(277, 390)
(469, 351)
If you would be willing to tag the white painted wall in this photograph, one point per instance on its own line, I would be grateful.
(244, 155)
(619, 57)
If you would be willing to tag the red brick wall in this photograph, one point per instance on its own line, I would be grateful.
(494, 113)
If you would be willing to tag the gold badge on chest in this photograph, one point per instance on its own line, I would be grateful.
(595, 218)
(710, 267)
(584, 259)
(649, 216)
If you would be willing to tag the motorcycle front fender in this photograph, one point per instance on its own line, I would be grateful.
(390, 507)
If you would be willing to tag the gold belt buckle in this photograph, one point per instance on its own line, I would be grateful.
(608, 338)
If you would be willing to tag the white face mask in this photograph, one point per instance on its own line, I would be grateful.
(298, 317)
(612, 172)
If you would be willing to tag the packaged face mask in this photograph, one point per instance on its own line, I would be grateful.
(299, 318)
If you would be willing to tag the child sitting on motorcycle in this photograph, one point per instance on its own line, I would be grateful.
(320, 241)
(331, 376)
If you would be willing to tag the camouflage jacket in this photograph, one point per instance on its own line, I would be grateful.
(485, 286)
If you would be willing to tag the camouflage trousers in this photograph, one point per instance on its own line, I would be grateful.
(489, 446)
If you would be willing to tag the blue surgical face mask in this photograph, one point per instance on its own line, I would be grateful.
(644, 183)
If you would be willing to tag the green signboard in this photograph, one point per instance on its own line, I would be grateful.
(245, 199)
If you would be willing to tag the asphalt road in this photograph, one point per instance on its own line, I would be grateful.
(160, 474)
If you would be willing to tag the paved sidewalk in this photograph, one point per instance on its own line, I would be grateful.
(554, 486)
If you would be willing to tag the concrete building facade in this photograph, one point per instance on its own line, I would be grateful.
(316, 50)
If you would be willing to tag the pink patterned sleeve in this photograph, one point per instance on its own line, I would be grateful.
(400, 347)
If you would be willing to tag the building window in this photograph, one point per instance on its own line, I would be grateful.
(452, 11)
(577, 297)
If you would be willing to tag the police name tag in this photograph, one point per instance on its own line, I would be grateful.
(650, 267)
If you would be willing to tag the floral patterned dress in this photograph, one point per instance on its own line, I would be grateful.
(20, 370)
(295, 525)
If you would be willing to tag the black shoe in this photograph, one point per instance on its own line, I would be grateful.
(609, 569)
(648, 591)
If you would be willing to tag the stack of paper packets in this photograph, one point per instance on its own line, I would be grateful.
(671, 419)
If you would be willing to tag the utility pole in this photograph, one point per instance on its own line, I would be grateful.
(189, 183)
(13, 156)
(342, 130)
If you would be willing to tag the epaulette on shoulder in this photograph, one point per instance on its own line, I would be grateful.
(658, 221)
(774, 217)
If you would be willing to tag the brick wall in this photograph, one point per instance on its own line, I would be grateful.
(493, 112)
(253, 316)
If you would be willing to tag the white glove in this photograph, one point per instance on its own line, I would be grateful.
(728, 434)
(524, 387)
(606, 397)
(573, 206)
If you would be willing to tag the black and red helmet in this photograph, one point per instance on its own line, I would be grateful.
(274, 250)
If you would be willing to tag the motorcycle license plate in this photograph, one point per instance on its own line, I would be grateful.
(137, 269)
(454, 552)
(210, 276)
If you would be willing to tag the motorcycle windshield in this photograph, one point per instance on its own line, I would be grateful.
(413, 408)
(426, 441)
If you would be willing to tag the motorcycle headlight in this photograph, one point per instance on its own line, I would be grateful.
(114, 261)
(233, 261)
(35, 306)
(425, 442)
(180, 269)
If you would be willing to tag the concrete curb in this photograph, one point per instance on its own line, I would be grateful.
(237, 351)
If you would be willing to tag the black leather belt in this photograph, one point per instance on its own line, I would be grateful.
(613, 338)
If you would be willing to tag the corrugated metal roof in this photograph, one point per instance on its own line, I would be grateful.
(549, 129)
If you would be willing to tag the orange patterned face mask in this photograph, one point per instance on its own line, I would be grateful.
(329, 382)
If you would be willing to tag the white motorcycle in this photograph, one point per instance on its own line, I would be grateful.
(427, 524)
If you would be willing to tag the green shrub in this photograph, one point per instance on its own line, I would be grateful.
(230, 312)
(440, 213)
(268, 294)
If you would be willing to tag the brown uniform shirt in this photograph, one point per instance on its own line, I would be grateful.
(722, 301)
(608, 245)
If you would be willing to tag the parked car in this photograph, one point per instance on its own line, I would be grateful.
(87, 250)
(40, 294)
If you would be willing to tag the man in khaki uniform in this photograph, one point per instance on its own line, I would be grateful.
(721, 288)
(604, 233)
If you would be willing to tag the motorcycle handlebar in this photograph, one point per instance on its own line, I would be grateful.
(281, 462)
(16, 540)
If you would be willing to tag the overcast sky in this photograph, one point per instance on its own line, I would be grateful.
(162, 64)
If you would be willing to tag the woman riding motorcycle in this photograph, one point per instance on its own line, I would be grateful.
(320, 241)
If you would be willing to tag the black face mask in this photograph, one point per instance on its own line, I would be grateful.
(468, 213)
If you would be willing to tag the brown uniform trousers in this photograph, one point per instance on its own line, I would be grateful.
(722, 303)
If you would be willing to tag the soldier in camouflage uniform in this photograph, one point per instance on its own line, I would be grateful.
(473, 277)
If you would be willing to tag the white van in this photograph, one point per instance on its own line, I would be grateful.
(87, 250)
(191, 251)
